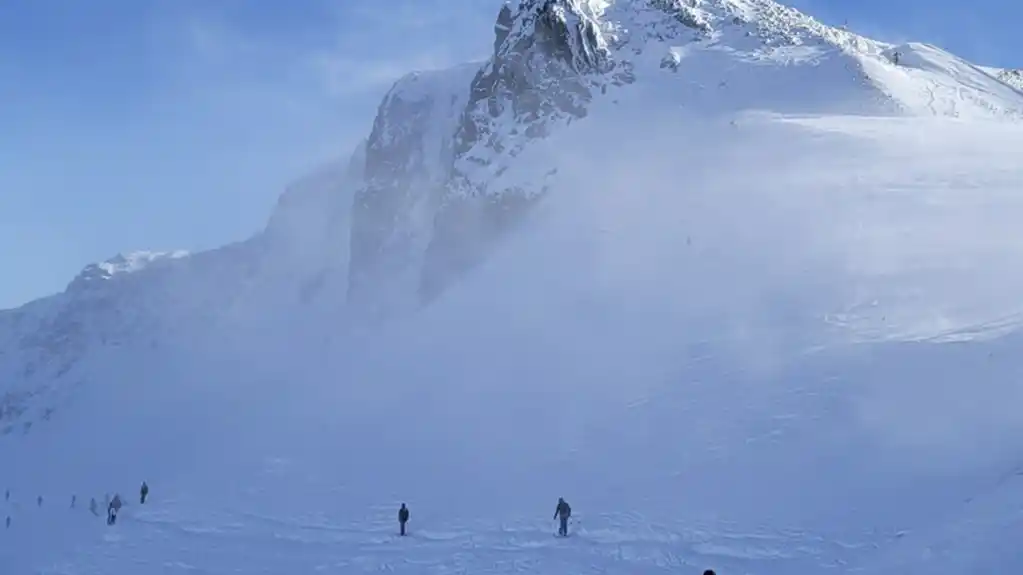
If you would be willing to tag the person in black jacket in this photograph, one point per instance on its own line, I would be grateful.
(113, 509)
(143, 493)
(563, 511)
(403, 517)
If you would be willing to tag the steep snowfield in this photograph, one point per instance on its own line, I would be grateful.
(735, 284)
(930, 80)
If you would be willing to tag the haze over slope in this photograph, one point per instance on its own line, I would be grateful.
(672, 259)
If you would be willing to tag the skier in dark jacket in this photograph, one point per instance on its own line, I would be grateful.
(143, 493)
(113, 509)
(403, 515)
(563, 511)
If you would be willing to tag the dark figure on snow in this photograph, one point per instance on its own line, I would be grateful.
(113, 509)
(143, 493)
(709, 572)
(39, 501)
(563, 511)
(74, 499)
(403, 518)
(94, 507)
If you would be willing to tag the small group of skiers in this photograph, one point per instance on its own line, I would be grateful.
(562, 512)
(115, 504)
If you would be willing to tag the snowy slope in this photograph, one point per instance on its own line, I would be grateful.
(664, 360)
(932, 80)
(741, 292)
(553, 60)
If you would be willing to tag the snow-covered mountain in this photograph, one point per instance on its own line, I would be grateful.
(553, 60)
(1013, 78)
(659, 256)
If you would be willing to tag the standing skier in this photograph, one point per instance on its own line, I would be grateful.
(143, 493)
(403, 518)
(113, 509)
(563, 511)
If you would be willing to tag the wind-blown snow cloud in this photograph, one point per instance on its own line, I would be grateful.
(178, 124)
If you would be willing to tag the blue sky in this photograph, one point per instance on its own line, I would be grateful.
(175, 124)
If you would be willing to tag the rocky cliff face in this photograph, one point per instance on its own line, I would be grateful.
(406, 168)
(550, 59)
(1013, 78)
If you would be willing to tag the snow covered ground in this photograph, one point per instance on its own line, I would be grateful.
(774, 347)
(766, 320)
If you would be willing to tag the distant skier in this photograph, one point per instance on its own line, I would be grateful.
(74, 499)
(39, 501)
(143, 493)
(113, 509)
(563, 511)
(403, 515)
(94, 507)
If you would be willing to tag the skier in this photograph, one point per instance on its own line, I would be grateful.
(403, 518)
(39, 501)
(144, 492)
(115, 507)
(74, 498)
(94, 507)
(563, 511)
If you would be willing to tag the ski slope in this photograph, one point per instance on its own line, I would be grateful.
(724, 353)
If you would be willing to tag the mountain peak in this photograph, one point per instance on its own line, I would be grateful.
(600, 25)
(121, 264)
(552, 57)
